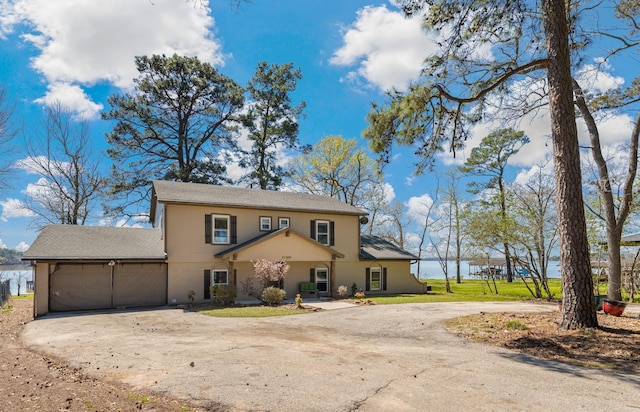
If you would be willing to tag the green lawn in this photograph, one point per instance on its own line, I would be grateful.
(469, 291)
(249, 311)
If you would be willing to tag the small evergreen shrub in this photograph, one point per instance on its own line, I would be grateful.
(354, 289)
(273, 296)
(224, 294)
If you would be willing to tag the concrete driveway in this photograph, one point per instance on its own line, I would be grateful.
(365, 358)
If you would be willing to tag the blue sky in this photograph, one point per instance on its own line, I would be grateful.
(80, 51)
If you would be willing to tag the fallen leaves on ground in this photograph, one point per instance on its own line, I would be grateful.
(614, 345)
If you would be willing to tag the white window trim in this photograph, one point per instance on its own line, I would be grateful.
(213, 276)
(213, 229)
(283, 219)
(379, 273)
(326, 270)
(326, 222)
(263, 220)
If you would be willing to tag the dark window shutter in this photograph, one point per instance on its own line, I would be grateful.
(207, 228)
(367, 279)
(207, 284)
(234, 230)
(235, 277)
(312, 275)
(312, 230)
(384, 278)
(332, 237)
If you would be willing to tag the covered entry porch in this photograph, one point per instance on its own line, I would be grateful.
(309, 261)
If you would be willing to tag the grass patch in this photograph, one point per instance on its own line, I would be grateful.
(251, 311)
(23, 296)
(515, 324)
(470, 290)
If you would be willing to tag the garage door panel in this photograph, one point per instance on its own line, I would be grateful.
(80, 287)
(137, 284)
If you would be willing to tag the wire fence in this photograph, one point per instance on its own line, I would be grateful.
(5, 292)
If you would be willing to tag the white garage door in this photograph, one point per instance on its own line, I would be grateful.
(88, 286)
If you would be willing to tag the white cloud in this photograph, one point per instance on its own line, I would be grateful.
(597, 77)
(14, 208)
(71, 97)
(388, 49)
(2, 245)
(418, 207)
(389, 192)
(136, 221)
(84, 42)
(22, 247)
(31, 164)
(527, 175)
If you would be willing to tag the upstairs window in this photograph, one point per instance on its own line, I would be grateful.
(221, 229)
(283, 222)
(322, 231)
(265, 223)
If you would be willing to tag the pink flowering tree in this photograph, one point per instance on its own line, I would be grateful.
(269, 272)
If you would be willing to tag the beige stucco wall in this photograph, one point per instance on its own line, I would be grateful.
(189, 256)
(399, 277)
(185, 230)
(41, 285)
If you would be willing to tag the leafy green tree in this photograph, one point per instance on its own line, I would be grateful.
(175, 125)
(485, 47)
(490, 159)
(272, 121)
(335, 167)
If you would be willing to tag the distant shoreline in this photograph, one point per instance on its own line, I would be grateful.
(15, 267)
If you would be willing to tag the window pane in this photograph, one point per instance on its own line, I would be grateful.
(221, 223)
(322, 232)
(220, 277)
(221, 229)
(375, 282)
(284, 222)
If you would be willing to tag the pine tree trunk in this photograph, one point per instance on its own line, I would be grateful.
(578, 306)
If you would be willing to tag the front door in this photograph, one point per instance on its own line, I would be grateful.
(322, 280)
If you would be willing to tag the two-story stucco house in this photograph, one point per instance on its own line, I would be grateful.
(205, 235)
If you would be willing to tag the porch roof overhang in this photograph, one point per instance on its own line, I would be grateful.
(272, 236)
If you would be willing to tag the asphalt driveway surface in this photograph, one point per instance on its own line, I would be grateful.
(365, 358)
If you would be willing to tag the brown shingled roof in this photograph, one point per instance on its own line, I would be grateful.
(203, 194)
(373, 247)
(73, 242)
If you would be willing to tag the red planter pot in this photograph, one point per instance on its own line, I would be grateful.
(613, 307)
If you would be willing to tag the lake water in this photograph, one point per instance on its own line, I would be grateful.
(13, 276)
(431, 269)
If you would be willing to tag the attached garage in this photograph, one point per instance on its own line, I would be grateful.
(88, 267)
(82, 286)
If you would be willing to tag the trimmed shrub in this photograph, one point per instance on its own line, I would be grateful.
(273, 296)
(223, 294)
